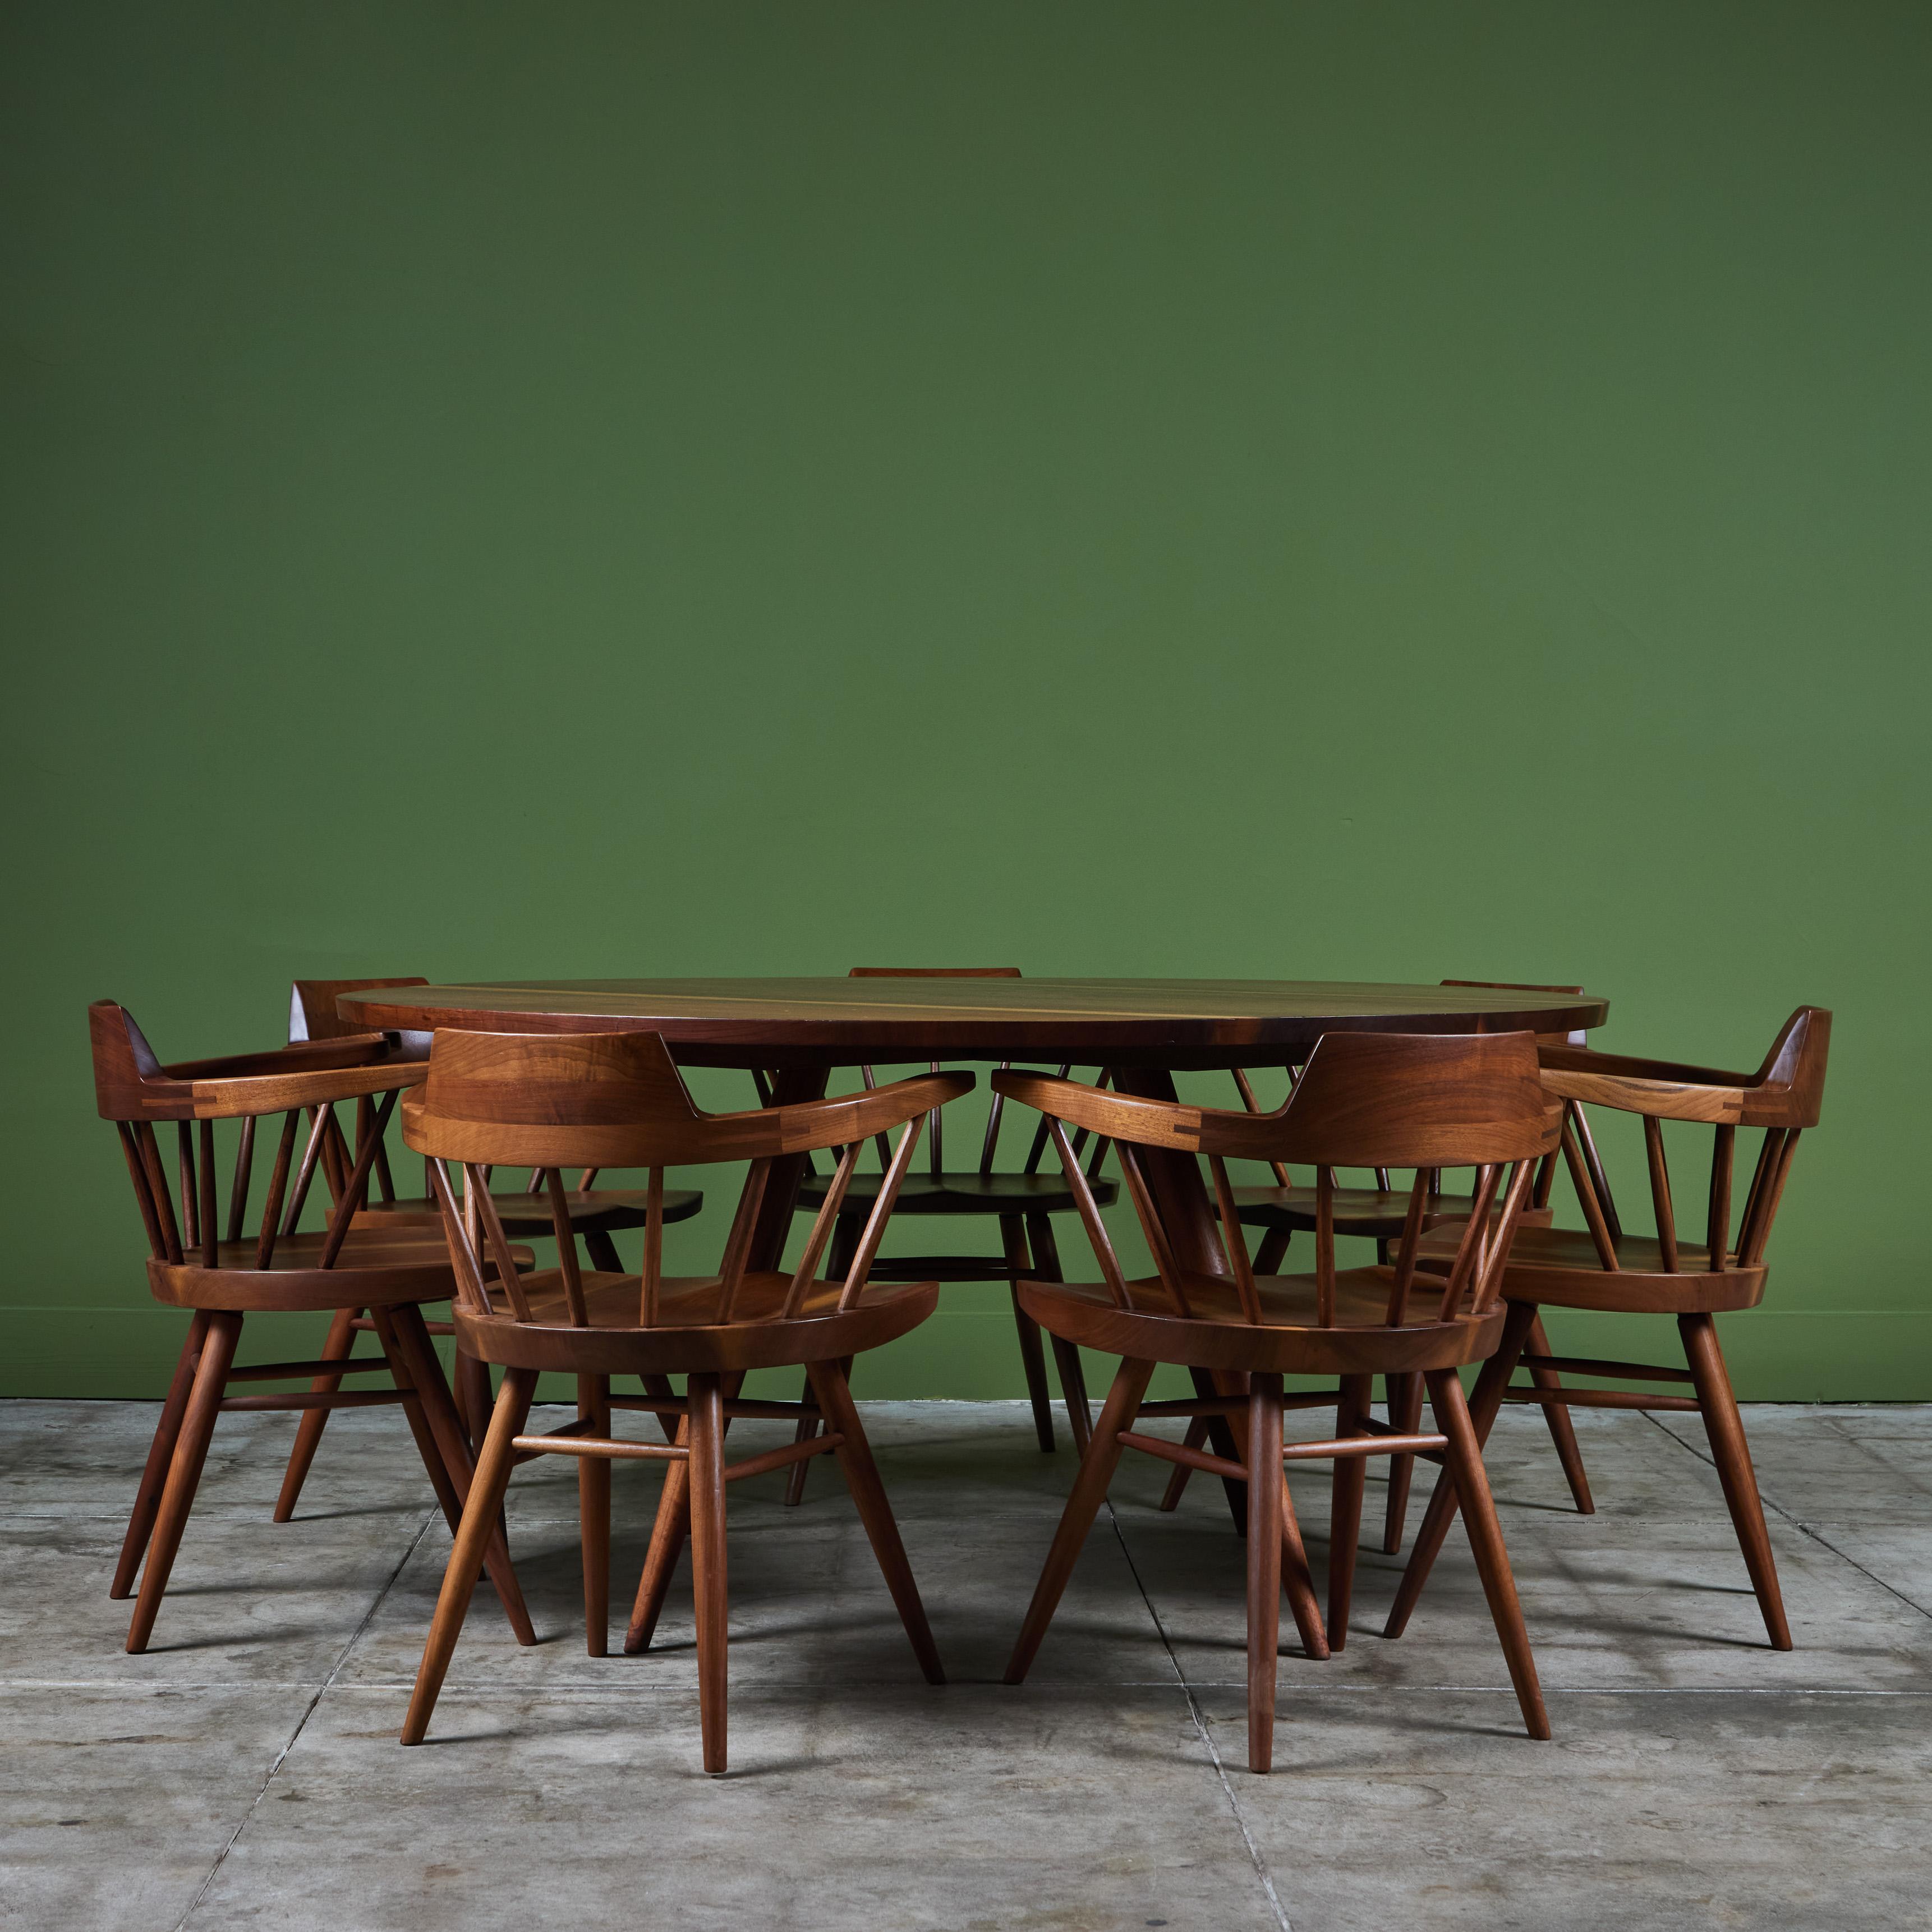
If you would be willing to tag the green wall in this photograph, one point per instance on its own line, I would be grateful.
(1380, 491)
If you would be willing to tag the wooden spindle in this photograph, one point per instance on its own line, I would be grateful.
(1089, 1211)
(305, 1174)
(652, 1278)
(1660, 1192)
(1234, 1244)
(1324, 1246)
(190, 1196)
(244, 1168)
(822, 1227)
(158, 1185)
(1164, 1262)
(566, 1250)
(278, 1181)
(131, 1148)
(739, 1245)
(882, 1209)
(211, 1255)
(1717, 1227)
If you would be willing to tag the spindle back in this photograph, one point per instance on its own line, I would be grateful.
(1783, 1098)
(304, 1082)
(1422, 1101)
(550, 1101)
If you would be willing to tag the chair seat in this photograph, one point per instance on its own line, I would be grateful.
(1377, 1213)
(1289, 1341)
(526, 1217)
(963, 1193)
(1558, 1267)
(376, 1268)
(687, 1337)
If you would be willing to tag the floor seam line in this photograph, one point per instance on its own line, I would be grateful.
(302, 1722)
(1797, 1522)
(1200, 1723)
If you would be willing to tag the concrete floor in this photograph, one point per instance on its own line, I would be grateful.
(245, 1771)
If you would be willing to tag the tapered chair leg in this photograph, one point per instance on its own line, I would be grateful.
(1266, 1521)
(593, 1510)
(473, 1536)
(659, 1388)
(1483, 1406)
(875, 1512)
(1268, 1256)
(1299, 1583)
(1090, 1491)
(184, 1467)
(710, 1574)
(669, 1529)
(1405, 1406)
(1065, 1355)
(1345, 1517)
(402, 1328)
(846, 1235)
(1176, 1484)
(474, 1398)
(433, 1461)
(313, 1421)
(160, 1454)
(1725, 1429)
(1033, 1353)
(602, 1251)
(1463, 1466)
(1562, 1429)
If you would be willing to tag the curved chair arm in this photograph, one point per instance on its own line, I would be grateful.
(804, 1126)
(131, 1084)
(1115, 1117)
(1660, 1092)
(1787, 1091)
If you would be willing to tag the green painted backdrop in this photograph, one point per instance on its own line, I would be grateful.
(499, 491)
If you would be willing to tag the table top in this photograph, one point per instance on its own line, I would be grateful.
(771, 1022)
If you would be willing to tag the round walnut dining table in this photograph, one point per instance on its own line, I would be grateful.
(1142, 1029)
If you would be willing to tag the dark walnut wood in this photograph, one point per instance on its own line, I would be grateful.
(1362, 1100)
(597, 1214)
(847, 1022)
(558, 1101)
(1021, 1203)
(1607, 1269)
(202, 1258)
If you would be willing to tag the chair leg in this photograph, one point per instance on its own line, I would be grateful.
(184, 1467)
(1073, 1393)
(1268, 1255)
(708, 1562)
(447, 1499)
(846, 1234)
(593, 1514)
(602, 1251)
(659, 1388)
(1405, 1405)
(808, 1427)
(668, 1532)
(313, 1421)
(160, 1453)
(1176, 1484)
(868, 1492)
(1725, 1429)
(1299, 1582)
(447, 1449)
(474, 1398)
(1463, 1466)
(1020, 1266)
(1562, 1430)
(1266, 1492)
(1090, 1491)
(1483, 1406)
(472, 1536)
(1345, 1516)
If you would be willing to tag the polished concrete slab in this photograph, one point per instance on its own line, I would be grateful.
(244, 1772)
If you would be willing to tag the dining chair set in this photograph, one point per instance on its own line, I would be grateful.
(1467, 1254)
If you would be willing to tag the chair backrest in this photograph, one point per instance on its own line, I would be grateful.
(1546, 1172)
(550, 1101)
(1783, 1097)
(1421, 1101)
(304, 1082)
